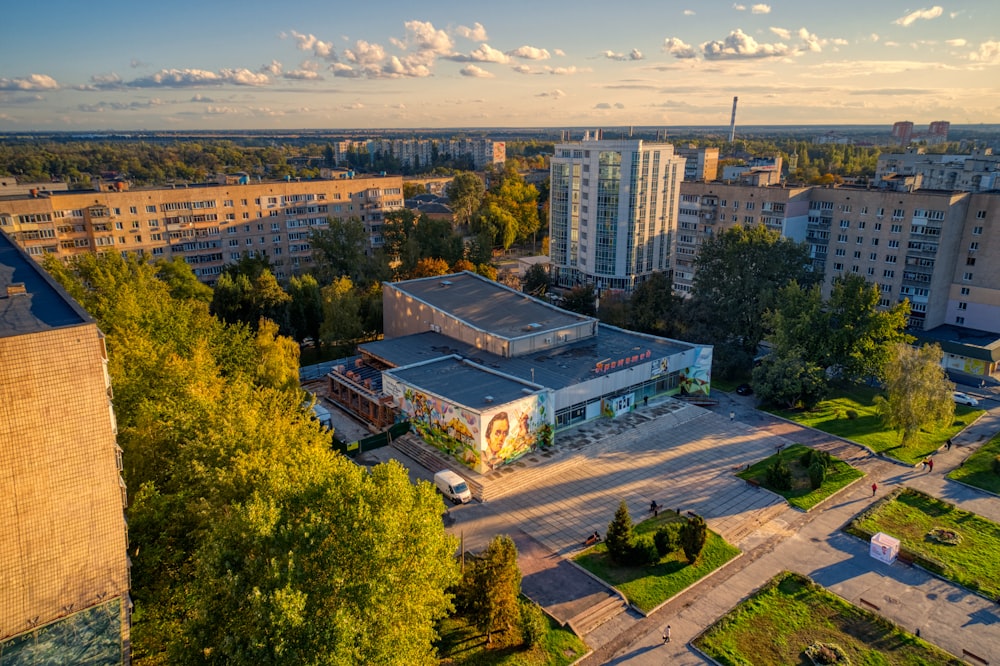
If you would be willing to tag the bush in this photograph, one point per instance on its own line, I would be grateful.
(779, 476)
(817, 474)
(534, 624)
(852, 414)
(996, 465)
(694, 533)
(806, 458)
(667, 539)
(643, 552)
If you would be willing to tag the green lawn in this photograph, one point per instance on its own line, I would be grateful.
(838, 475)
(648, 587)
(832, 416)
(463, 645)
(790, 612)
(910, 516)
(978, 469)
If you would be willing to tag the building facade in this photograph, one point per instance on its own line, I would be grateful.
(701, 163)
(208, 226)
(612, 211)
(976, 172)
(64, 579)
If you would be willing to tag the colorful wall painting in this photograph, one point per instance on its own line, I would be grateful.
(696, 379)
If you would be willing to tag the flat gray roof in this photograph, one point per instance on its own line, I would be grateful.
(555, 368)
(44, 305)
(488, 305)
(461, 382)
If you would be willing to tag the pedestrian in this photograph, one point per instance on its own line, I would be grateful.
(930, 464)
(923, 465)
(666, 634)
(918, 632)
(948, 446)
(732, 415)
(645, 401)
(874, 488)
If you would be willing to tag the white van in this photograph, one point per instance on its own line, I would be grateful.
(452, 486)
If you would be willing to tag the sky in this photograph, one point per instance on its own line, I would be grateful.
(304, 64)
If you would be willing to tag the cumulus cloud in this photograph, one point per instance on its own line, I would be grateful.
(110, 81)
(555, 94)
(426, 37)
(781, 32)
(812, 42)
(186, 78)
(29, 82)
(222, 110)
(740, 8)
(530, 53)
(273, 68)
(486, 53)
(678, 49)
(874, 37)
(634, 54)
(688, 12)
(475, 72)
(312, 43)
(566, 71)
(761, 9)
(988, 52)
(741, 45)
(302, 75)
(606, 105)
(524, 69)
(201, 98)
(920, 14)
(955, 42)
(558, 52)
(477, 33)
(101, 107)
(365, 53)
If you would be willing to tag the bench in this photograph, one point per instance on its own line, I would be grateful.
(974, 657)
(905, 558)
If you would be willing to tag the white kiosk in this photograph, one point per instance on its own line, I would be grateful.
(884, 548)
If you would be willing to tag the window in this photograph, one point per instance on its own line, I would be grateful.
(749, 205)
(118, 211)
(859, 240)
(880, 212)
(135, 224)
(890, 258)
(884, 302)
(150, 209)
(748, 219)
(898, 214)
(874, 242)
(864, 210)
(234, 242)
(246, 216)
(842, 238)
(896, 228)
(855, 268)
(977, 231)
(275, 226)
(846, 208)
(893, 243)
(133, 210)
(885, 288)
(965, 291)
(861, 225)
(967, 277)
(873, 257)
(845, 224)
(981, 215)
(857, 254)
(119, 226)
(970, 261)
(888, 273)
(963, 305)
(878, 226)
(871, 271)
(959, 320)
(228, 203)
(838, 267)
(973, 246)
(840, 252)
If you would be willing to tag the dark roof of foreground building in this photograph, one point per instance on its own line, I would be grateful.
(30, 300)
(488, 305)
(464, 382)
(554, 368)
(967, 342)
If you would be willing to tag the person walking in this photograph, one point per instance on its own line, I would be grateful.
(930, 464)
(732, 415)
(948, 446)
(874, 489)
(923, 465)
(666, 634)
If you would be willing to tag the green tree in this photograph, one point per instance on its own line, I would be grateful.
(694, 533)
(786, 377)
(339, 250)
(465, 192)
(493, 584)
(619, 537)
(182, 280)
(581, 299)
(279, 358)
(305, 310)
(654, 308)
(536, 280)
(918, 392)
(341, 312)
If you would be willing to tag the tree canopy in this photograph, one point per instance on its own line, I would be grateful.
(918, 392)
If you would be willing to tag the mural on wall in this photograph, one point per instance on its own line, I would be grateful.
(484, 441)
(696, 379)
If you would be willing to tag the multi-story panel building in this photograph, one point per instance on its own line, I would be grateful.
(612, 211)
(702, 163)
(974, 293)
(208, 226)
(977, 172)
(64, 581)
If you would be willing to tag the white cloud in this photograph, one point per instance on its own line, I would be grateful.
(221, 110)
(635, 54)
(135, 63)
(688, 12)
(273, 68)
(486, 53)
(339, 69)
(812, 42)
(558, 52)
(428, 38)
(740, 8)
(678, 49)
(244, 77)
(302, 75)
(874, 37)
(365, 53)
(566, 71)
(988, 52)
(555, 94)
(530, 53)
(761, 9)
(891, 44)
(186, 78)
(104, 82)
(920, 14)
(524, 69)
(30, 82)
(475, 72)
(312, 43)
(741, 45)
(956, 42)
(781, 32)
(477, 33)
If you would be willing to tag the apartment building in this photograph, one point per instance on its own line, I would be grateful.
(977, 172)
(612, 211)
(702, 163)
(64, 580)
(208, 225)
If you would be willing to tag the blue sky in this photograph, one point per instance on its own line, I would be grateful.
(307, 64)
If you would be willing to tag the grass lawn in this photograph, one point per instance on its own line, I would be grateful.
(462, 644)
(790, 612)
(838, 475)
(728, 385)
(911, 515)
(978, 469)
(648, 587)
(867, 429)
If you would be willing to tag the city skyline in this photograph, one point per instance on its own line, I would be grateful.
(309, 65)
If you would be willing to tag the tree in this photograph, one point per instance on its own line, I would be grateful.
(430, 268)
(694, 533)
(493, 584)
(654, 308)
(619, 537)
(243, 298)
(918, 392)
(341, 312)
(581, 299)
(739, 274)
(183, 282)
(786, 377)
(465, 192)
(536, 280)
(305, 310)
(340, 250)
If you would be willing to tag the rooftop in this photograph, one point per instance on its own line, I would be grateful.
(41, 305)
(460, 381)
(967, 342)
(488, 305)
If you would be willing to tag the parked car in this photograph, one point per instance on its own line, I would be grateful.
(744, 389)
(964, 399)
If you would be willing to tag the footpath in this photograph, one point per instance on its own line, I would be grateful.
(953, 618)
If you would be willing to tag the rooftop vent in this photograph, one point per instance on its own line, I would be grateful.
(532, 326)
(15, 289)
(488, 398)
(445, 283)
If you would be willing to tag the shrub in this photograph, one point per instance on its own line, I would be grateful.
(779, 476)
(534, 624)
(827, 653)
(619, 536)
(806, 458)
(643, 552)
(852, 414)
(667, 539)
(694, 533)
(817, 474)
(996, 465)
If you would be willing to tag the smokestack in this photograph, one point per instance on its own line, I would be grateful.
(732, 122)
